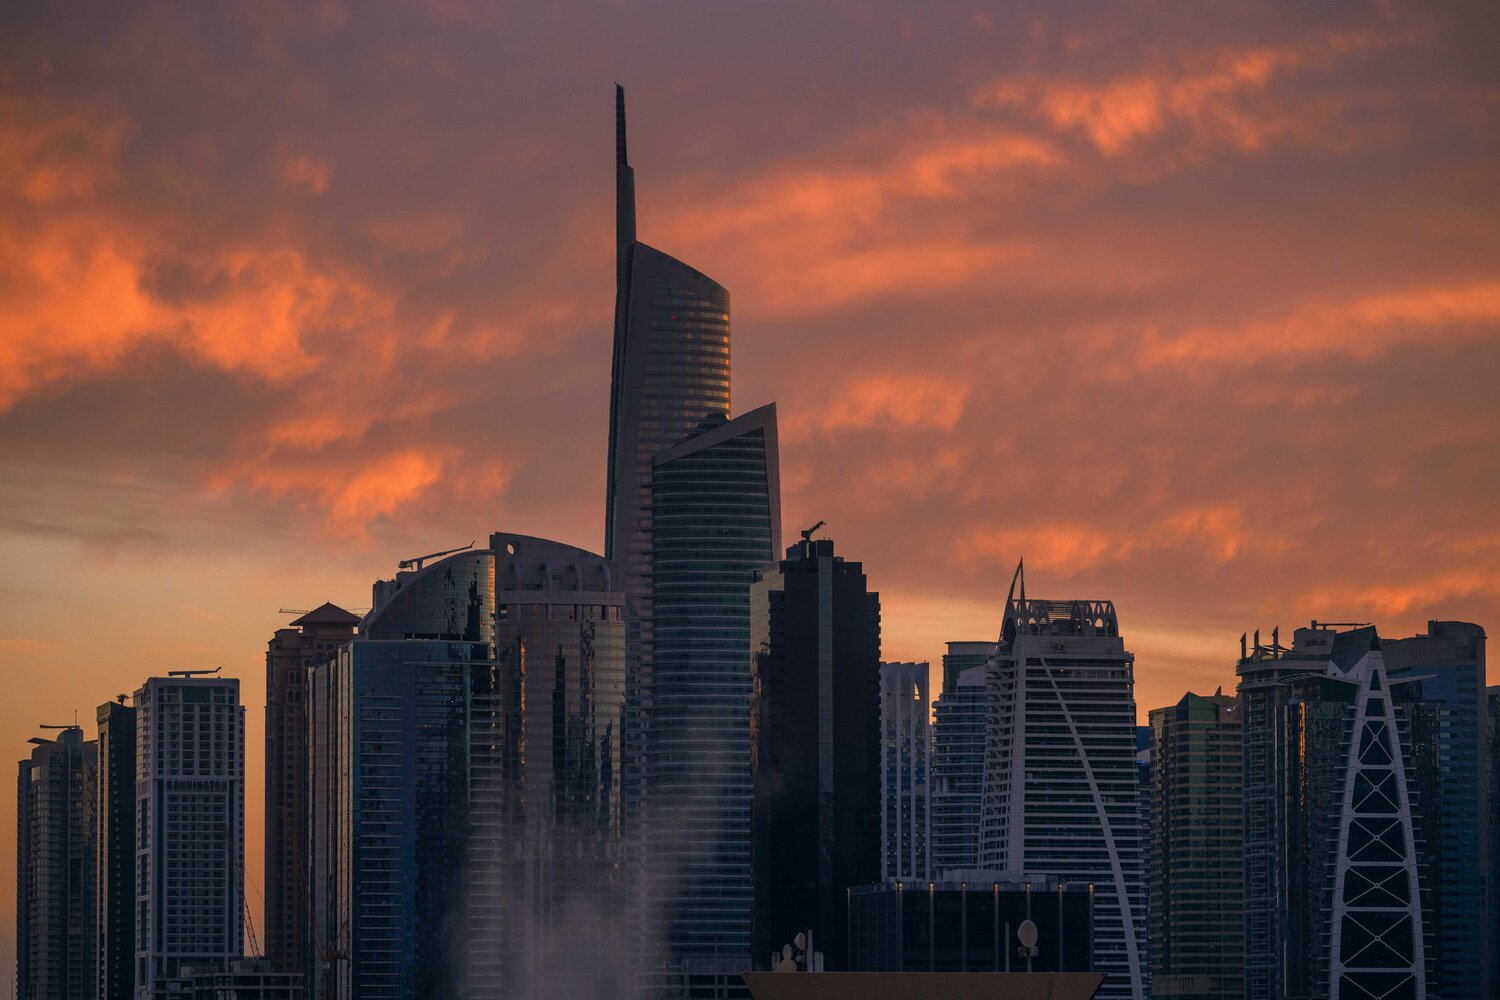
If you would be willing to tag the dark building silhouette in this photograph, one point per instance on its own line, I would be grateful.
(716, 514)
(1441, 674)
(814, 736)
(292, 652)
(55, 944)
(970, 926)
(115, 850)
(1196, 858)
(1492, 699)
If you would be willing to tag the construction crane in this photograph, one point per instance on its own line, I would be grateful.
(39, 741)
(807, 533)
(416, 561)
(192, 673)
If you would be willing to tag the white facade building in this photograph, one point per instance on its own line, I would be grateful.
(905, 752)
(1060, 788)
(190, 828)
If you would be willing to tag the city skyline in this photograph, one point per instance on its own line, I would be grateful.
(297, 370)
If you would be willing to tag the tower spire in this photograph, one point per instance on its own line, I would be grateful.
(621, 159)
(624, 186)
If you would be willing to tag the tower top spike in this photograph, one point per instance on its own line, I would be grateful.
(621, 158)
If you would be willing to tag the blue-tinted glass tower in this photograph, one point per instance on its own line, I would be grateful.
(1444, 695)
(670, 370)
(465, 783)
(715, 520)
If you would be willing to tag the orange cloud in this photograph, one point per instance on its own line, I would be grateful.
(1362, 326)
(897, 400)
(1214, 95)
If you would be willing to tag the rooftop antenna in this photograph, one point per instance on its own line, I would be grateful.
(807, 533)
(416, 561)
(192, 673)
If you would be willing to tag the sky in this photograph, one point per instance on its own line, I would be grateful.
(1195, 308)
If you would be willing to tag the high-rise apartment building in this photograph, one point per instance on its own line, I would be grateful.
(466, 786)
(957, 785)
(190, 828)
(291, 654)
(1197, 868)
(1060, 791)
(55, 942)
(958, 737)
(962, 656)
(1442, 678)
(1492, 701)
(114, 839)
(715, 520)
(814, 740)
(1334, 905)
(905, 771)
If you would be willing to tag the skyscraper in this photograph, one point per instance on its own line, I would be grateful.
(465, 784)
(958, 730)
(310, 639)
(562, 916)
(715, 520)
(905, 761)
(1334, 905)
(393, 720)
(1060, 789)
(114, 818)
(190, 816)
(55, 942)
(670, 370)
(1492, 700)
(814, 736)
(1442, 678)
(1197, 867)
(962, 656)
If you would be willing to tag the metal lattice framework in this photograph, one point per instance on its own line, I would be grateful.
(1377, 920)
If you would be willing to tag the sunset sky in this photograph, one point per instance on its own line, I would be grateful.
(1195, 307)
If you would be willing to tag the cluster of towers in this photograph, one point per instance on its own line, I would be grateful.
(530, 770)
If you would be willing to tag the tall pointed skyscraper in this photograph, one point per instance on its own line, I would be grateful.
(671, 370)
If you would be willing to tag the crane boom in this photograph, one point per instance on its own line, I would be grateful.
(415, 562)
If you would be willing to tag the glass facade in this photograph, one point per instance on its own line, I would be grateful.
(564, 916)
(670, 370)
(1197, 873)
(969, 927)
(715, 521)
(55, 953)
(958, 737)
(815, 744)
(1445, 714)
(466, 783)
(905, 759)
(115, 850)
(1335, 903)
